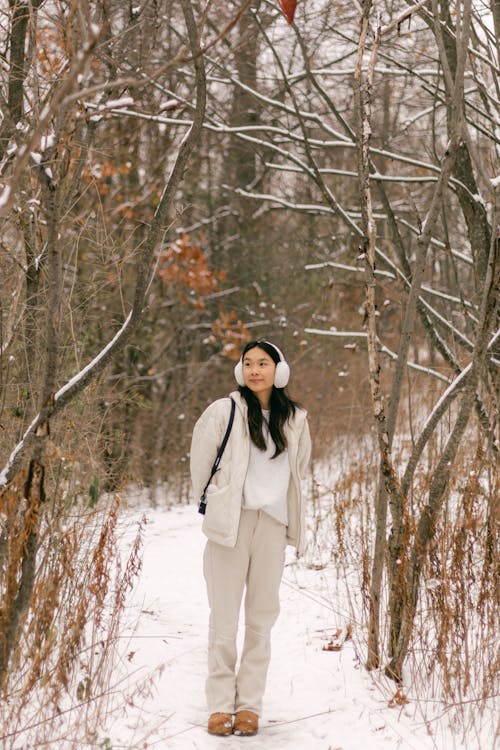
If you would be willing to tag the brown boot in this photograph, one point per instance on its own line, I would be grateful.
(221, 724)
(246, 723)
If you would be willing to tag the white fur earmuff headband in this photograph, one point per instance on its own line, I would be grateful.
(281, 375)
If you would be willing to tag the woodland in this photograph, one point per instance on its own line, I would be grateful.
(179, 177)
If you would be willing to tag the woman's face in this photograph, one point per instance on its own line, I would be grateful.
(258, 371)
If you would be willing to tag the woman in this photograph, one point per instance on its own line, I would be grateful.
(254, 509)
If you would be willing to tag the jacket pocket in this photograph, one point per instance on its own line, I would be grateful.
(218, 521)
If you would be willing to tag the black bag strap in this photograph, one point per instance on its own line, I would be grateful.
(203, 501)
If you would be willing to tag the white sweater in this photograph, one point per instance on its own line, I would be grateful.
(267, 479)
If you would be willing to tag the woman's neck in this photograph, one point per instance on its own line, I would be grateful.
(264, 400)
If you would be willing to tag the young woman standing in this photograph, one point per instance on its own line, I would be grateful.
(254, 509)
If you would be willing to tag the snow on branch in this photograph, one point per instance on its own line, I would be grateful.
(383, 349)
(338, 334)
(4, 474)
(64, 394)
(316, 208)
(337, 72)
(313, 116)
(346, 267)
(414, 365)
(341, 141)
(449, 297)
(71, 384)
(458, 334)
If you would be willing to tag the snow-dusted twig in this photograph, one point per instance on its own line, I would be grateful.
(414, 365)
(337, 334)
(345, 267)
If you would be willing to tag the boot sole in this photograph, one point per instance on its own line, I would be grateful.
(245, 732)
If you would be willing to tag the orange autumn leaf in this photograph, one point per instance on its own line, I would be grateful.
(185, 265)
(337, 640)
(398, 699)
(331, 646)
(231, 332)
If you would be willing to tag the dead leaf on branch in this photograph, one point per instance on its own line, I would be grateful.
(332, 646)
(229, 329)
(288, 7)
(398, 699)
(337, 640)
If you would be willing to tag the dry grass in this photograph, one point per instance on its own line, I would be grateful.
(453, 663)
(58, 682)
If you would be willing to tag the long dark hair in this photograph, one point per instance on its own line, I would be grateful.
(282, 407)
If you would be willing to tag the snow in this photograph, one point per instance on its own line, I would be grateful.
(169, 104)
(346, 267)
(47, 141)
(4, 196)
(315, 699)
(333, 332)
(125, 101)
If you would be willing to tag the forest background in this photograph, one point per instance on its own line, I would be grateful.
(177, 178)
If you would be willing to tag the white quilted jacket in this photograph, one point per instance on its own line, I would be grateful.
(222, 517)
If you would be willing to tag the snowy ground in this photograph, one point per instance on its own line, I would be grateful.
(314, 699)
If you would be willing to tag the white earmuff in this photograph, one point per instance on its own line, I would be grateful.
(281, 375)
(238, 373)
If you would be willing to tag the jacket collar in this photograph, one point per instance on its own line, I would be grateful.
(240, 402)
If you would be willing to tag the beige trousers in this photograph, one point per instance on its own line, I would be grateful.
(257, 560)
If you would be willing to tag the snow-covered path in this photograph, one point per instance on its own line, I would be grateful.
(314, 699)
